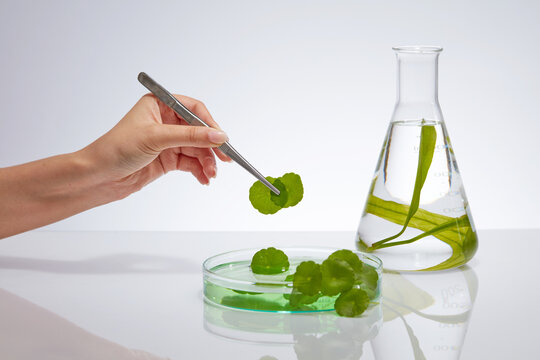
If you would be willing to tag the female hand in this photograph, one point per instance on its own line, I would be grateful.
(148, 142)
(152, 140)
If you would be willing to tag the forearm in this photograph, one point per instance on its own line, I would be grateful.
(44, 191)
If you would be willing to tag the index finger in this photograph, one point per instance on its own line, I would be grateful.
(198, 108)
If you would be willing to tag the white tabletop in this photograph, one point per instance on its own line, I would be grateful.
(138, 295)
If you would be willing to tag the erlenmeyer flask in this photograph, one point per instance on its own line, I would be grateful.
(417, 216)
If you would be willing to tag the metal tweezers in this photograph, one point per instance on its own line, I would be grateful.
(166, 97)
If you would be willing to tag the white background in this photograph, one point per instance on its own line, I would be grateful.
(303, 86)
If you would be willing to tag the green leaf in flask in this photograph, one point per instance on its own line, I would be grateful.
(428, 138)
(456, 232)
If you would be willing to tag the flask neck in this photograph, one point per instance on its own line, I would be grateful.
(417, 77)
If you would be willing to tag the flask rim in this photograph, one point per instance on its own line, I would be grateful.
(417, 49)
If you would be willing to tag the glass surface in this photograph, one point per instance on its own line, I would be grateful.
(417, 216)
(229, 281)
(122, 286)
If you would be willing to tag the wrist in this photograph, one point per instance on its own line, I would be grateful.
(101, 176)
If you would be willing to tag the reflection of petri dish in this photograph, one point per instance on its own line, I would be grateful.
(229, 281)
(288, 328)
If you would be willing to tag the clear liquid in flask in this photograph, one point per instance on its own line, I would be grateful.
(417, 166)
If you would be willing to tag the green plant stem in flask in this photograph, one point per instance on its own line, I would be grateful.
(416, 215)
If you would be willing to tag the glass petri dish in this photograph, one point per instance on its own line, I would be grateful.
(229, 281)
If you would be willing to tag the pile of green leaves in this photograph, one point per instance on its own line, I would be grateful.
(342, 274)
(264, 200)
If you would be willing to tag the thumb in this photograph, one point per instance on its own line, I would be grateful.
(167, 136)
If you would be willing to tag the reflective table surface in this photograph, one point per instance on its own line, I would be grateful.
(138, 295)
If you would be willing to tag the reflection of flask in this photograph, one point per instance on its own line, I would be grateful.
(425, 315)
(322, 335)
(416, 215)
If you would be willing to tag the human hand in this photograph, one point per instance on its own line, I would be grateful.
(150, 141)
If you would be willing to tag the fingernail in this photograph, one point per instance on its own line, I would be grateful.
(215, 172)
(217, 137)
